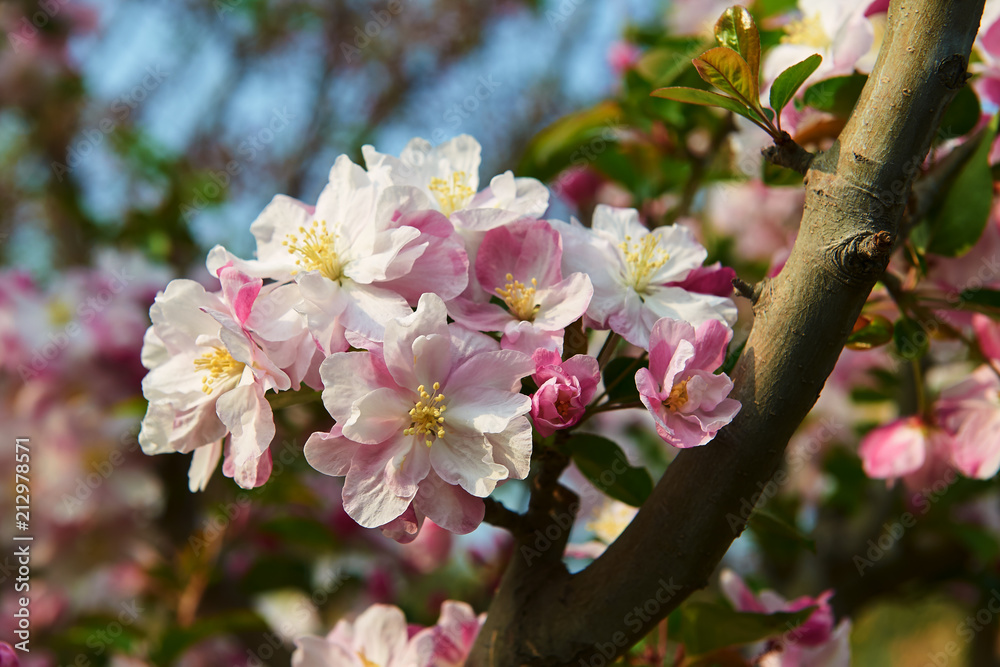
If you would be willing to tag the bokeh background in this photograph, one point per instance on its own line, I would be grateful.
(135, 135)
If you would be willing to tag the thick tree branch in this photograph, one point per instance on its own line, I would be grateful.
(855, 196)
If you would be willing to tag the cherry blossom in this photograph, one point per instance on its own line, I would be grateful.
(565, 388)
(815, 643)
(449, 175)
(380, 637)
(687, 400)
(971, 411)
(211, 357)
(432, 418)
(631, 268)
(519, 264)
(355, 253)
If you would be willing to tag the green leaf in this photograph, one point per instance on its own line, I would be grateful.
(957, 222)
(557, 146)
(176, 639)
(763, 522)
(707, 626)
(729, 72)
(837, 95)
(981, 297)
(605, 465)
(731, 358)
(910, 338)
(619, 378)
(870, 331)
(705, 98)
(736, 30)
(789, 81)
(961, 116)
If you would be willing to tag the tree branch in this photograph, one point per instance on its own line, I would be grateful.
(855, 196)
(786, 153)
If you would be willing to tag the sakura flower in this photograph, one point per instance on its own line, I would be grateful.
(565, 388)
(815, 643)
(630, 268)
(519, 264)
(211, 357)
(610, 520)
(842, 32)
(449, 175)
(377, 638)
(687, 400)
(380, 638)
(432, 418)
(971, 411)
(353, 251)
(448, 642)
(895, 449)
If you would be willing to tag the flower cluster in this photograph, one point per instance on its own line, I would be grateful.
(417, 303)
(380, 637)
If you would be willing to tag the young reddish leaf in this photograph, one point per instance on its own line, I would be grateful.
(737, 30)
(726, 70)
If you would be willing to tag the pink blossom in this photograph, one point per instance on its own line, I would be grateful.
(815, 643)
(380, 637)
(687, 400)
(565, 388)
(519, 264)
(897, 449)
(448, 176)
(433, 419)
(8, 657)
(715, 279)
(361, 256)
(634, 272)
(622, 56)
(211, 357)
(970, 410)
(761, 219)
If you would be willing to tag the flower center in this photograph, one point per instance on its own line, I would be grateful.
(316, 250)
(678, 396)
(520, 298)
(451, 194)
(427, 416)
(807, 31)
(219, 366)
(642, 259)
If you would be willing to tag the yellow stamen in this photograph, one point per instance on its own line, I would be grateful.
(219, 366)
(427, 416)
(807, 31)
(316, 249)
(365, 661)
(451, 195)
(678, 396)
(642, 260)
(520, 299)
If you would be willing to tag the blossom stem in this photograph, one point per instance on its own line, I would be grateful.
(918, 387)
(608, 350)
